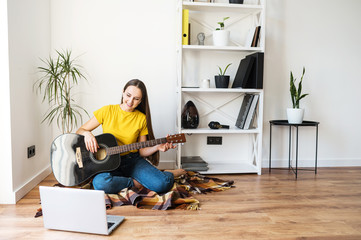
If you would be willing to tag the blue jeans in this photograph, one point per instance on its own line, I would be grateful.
(133, 166)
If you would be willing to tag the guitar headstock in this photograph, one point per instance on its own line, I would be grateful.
(176, 138)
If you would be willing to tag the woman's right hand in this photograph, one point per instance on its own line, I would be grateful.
(91, 143)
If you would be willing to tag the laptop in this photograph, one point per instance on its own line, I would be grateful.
(78, 210)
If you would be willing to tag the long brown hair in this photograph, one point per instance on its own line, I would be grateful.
(144, 108)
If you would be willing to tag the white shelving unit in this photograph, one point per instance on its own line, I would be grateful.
(241, 150)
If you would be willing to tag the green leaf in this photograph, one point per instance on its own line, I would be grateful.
(296, 93)
(226, 68)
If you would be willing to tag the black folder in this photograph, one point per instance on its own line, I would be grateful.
(255, 79)
(243, 73)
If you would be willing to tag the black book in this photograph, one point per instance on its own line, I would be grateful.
(243, 72)
(242, 116)
(255, 79)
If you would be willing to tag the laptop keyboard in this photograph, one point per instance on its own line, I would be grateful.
(110, 224)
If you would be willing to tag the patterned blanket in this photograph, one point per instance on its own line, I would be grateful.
(179, 197)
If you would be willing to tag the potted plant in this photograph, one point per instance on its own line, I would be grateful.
(295, 114)
(59, 75)
(221, 36)
(222, 80)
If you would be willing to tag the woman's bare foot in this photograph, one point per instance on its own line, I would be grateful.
(177, 172)
(137, 184)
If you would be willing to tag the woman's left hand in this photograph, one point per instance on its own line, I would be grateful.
(166, 146)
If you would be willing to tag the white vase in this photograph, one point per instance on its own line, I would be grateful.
(295, 115)
(221, 38)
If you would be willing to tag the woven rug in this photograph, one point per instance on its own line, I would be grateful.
(179, 197)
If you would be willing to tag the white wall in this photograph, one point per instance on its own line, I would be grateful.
(29, 38)
(118, 41)
(121, 40)
(6, 188)
(323, 36)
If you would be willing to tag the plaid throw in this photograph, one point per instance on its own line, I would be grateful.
(179, 197)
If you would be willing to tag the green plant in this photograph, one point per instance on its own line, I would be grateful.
(222, 73)
(296, 94)
(59, 75)
(221, 24)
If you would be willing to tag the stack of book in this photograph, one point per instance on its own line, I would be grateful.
(194, 163)
(247, 112)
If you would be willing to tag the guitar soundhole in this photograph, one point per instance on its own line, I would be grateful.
(101, 155)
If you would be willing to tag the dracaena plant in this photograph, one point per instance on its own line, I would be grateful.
(59, 76)
(296, 93)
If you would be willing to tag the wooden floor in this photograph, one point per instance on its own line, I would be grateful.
(269, 206)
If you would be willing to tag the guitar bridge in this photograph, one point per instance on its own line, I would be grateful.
(78, 157)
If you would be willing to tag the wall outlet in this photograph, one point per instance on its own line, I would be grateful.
(214, 140)
(31, 151)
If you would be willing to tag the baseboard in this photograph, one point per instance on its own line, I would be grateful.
(22, 191)
(311, 163)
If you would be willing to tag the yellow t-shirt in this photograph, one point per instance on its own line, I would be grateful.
(125, 126)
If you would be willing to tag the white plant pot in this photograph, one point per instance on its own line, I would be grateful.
(295, 115)
(221, 38)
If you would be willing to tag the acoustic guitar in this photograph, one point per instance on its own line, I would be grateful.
(73, 164)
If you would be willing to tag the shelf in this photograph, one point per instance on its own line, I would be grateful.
(242, 148)
(222, 90)
(216, 7)
(222, 48)
(231, 130)
(227, 168)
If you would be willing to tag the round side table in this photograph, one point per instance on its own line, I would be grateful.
(290, 125)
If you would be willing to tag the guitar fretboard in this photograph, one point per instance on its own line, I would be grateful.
(134, 146)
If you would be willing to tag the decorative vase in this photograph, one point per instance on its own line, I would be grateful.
(221, 37)
(222, 81)
(295, 115)
(190, 117)
(236, 1)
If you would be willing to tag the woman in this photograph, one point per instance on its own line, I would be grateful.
(130, 122)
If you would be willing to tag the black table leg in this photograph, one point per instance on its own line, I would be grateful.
(270, 146)
(296, 150)
(316, 149)
(289, 147)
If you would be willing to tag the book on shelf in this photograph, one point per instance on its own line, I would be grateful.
(256, 34)
(195, 168)
(242, 116)
(193, 159)
(251, 112)
(255, 79)
(243, 73)
(194, 163)
(185, 27)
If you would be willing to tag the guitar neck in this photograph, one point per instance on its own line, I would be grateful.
(135, 146)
